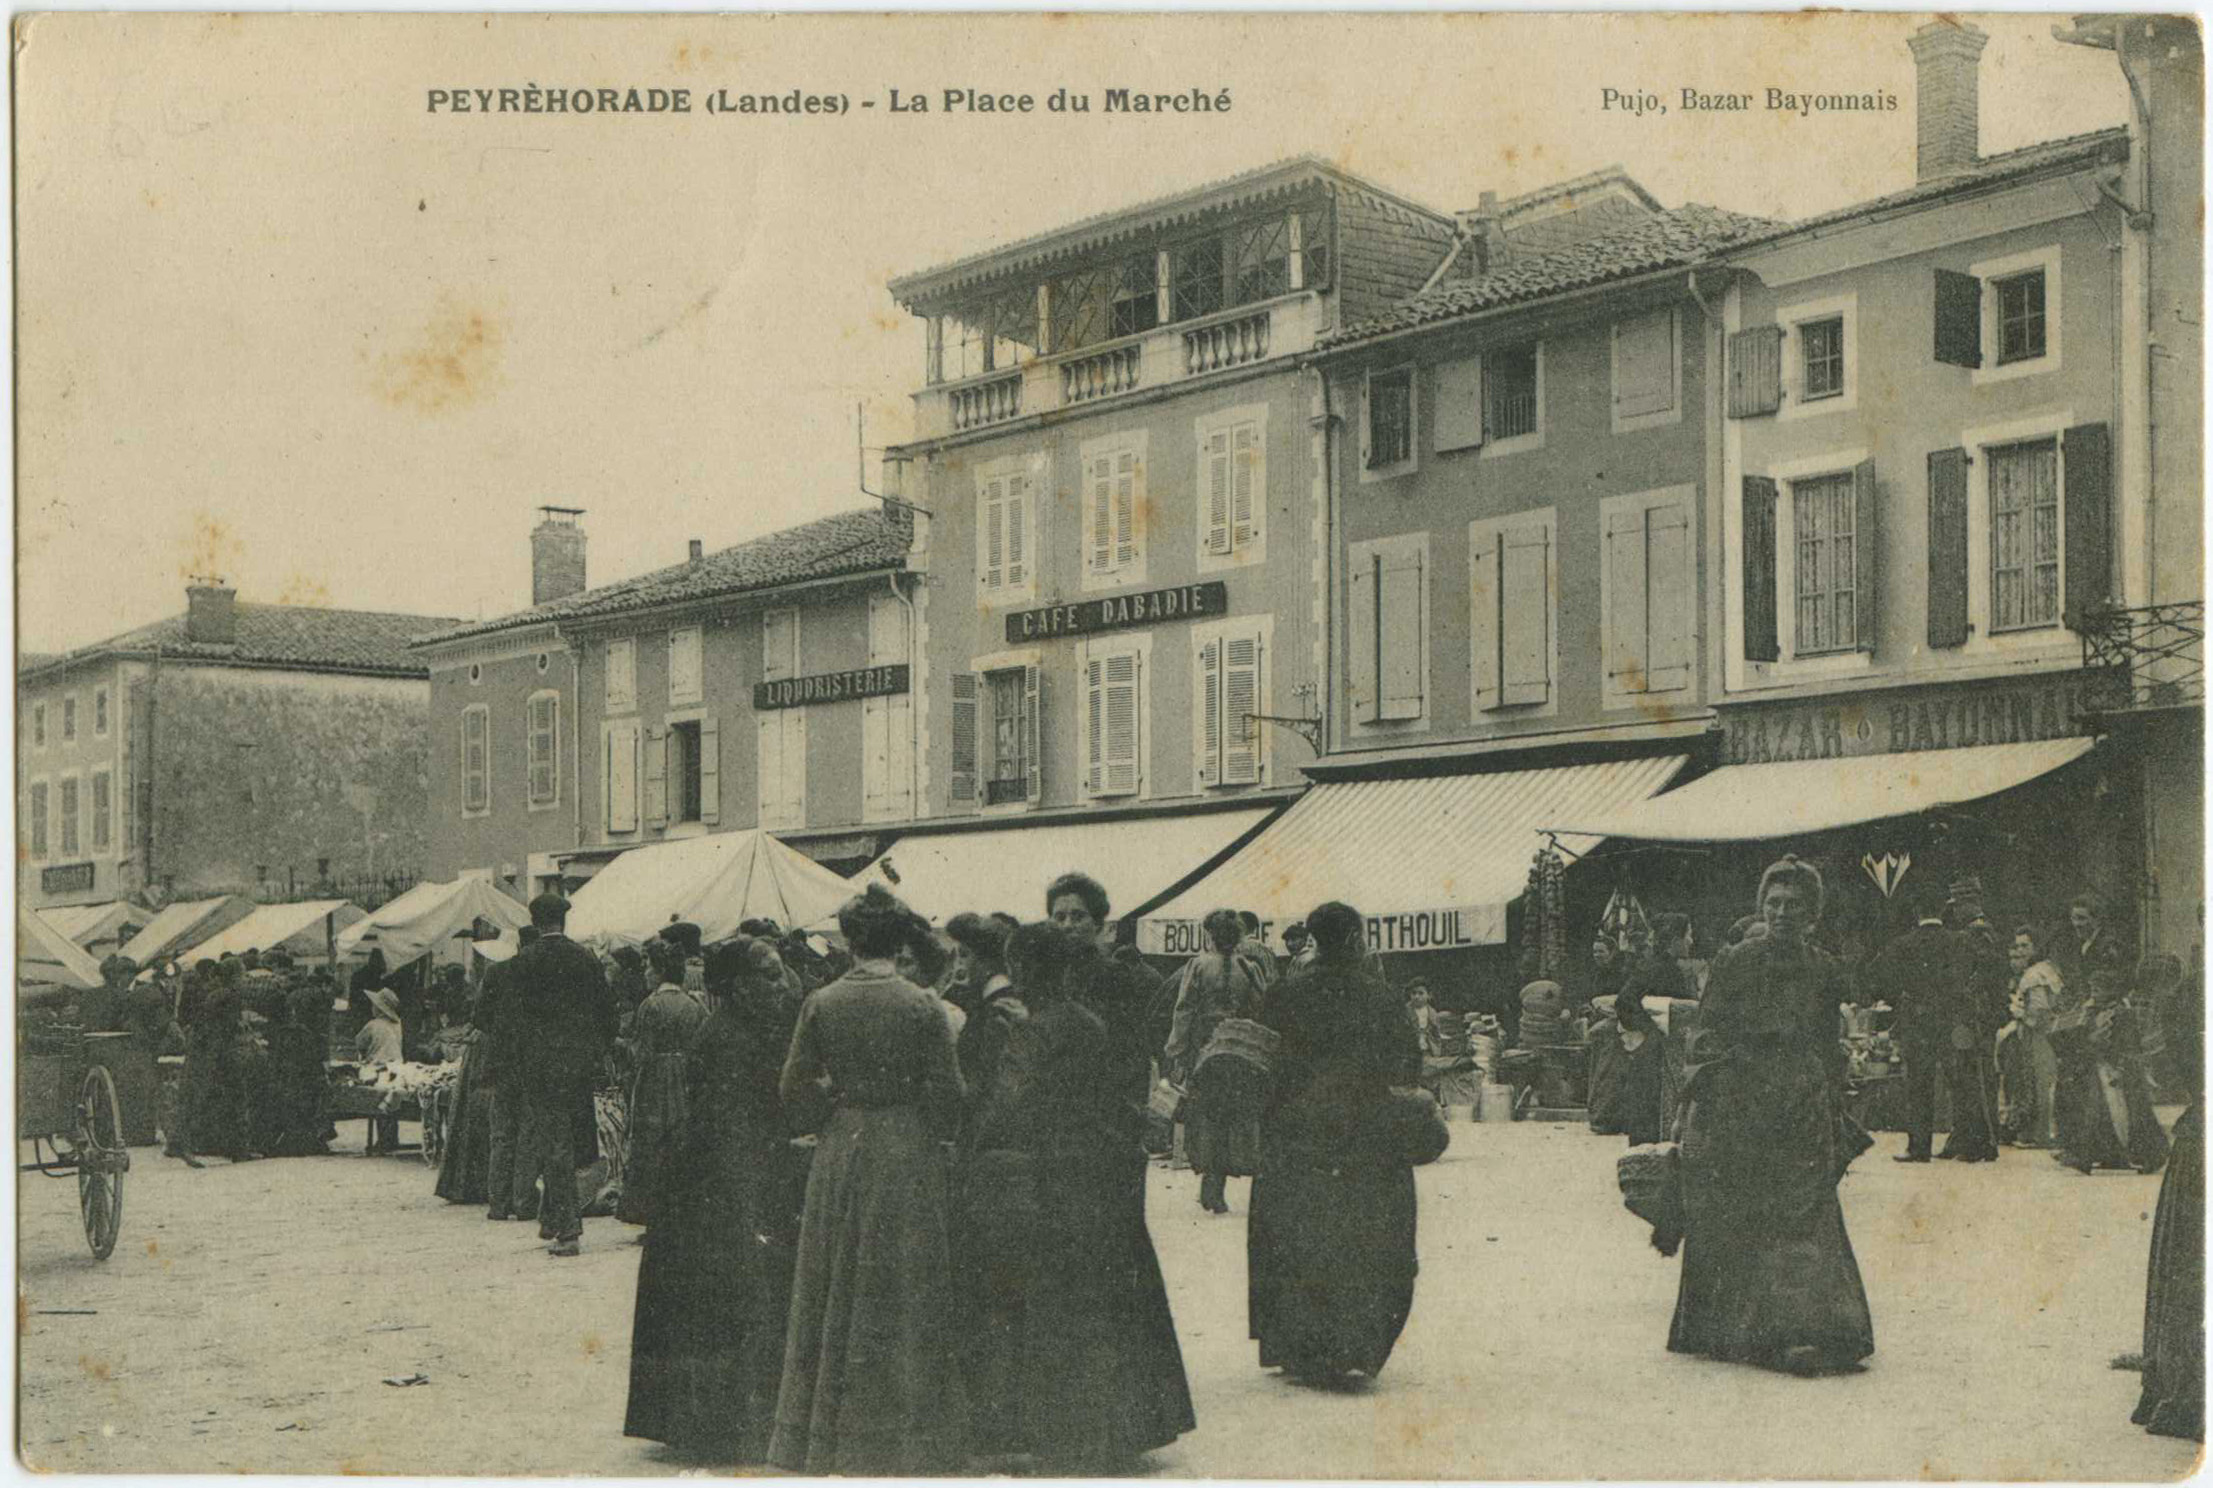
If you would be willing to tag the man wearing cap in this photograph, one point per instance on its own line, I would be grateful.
(568, 1022)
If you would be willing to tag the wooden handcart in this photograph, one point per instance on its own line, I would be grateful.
(65, 1106)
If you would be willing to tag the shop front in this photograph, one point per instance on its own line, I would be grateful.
(1894, 794)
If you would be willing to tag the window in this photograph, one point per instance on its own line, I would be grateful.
(2020, 317)
(1821, 349)
(1512, 591)
(1113, 719)
(1510, 393)
(476, 673)
(1647, 593)
(1248, 262)
(995, 734)
(103, 810)
(543, 749)
(683, 771)
(1233, 488)
(38, 815)
(99, 713)
(2024, 535)
(38, 725)
(1825, 536)
(684, 675)
(1388, 634)
(1195, 278)
(887, 723)
(1648, 372)
(1261, 259)
(1081, 307)
(1113, 506)
(1388, 430)
(72, 829)
(1136, 296)
(622, 676)
(619, 750)
(994, 334)
(1006, 514)
(780, 735)
(476, 762)
(68, 720)
(1231, 664)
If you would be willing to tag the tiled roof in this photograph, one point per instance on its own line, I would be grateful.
(1145, 216)
(1681, 236)
(275, 635)
(849, 543)
(1990, 170)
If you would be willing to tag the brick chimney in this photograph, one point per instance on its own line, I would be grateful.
(556, 554)
(1947, 56)
(211, 613)
(1486, 238)
(699, 550)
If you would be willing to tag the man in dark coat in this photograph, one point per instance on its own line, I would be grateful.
(568, 1024)
(498, 1017)
(1928, 975)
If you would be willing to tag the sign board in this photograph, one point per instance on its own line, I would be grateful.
(830, 687)
(1120, 612)
(2010, 712)
(1437, 929)
(68, 878)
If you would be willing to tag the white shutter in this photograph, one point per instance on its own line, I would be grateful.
(1210, 711)
(1625, 602)
(991, 538)
(1240, 698)
(1129, 494)
(684, 675)
(1487, 632)
(1216, 479)
(1246, 491)
(1360, 628)
(1098, 508)
(887, 742)
(656, 776)
(1122, 699)
(1399, 622)
(1033, 785)
(621, 775)
(1525, 645)
(1459, 418)
(622, 676)
(710, 770)
(1016, 514)
(543, 749)
(791, 806)
(1644, 365)
(768, 768)
(1667, 597)
(1094, 713)
(779, 645)
(962, 788)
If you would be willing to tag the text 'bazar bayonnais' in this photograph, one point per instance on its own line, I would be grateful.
(532, 99)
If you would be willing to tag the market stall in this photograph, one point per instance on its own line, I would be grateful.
(432, 919)
(307, 932)
(716, 882)
(48, 966)
(98, 928)
(185, 923)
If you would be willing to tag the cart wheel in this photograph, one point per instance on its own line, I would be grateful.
(101, 1161)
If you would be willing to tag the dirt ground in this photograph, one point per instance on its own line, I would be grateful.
(250, 1314)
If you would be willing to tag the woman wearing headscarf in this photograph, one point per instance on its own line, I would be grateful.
(1222, 1114)
(1072, 1357)
(714, 1285)
(658, 1116)
(870, 1386)
(2028, 1069)
(1768, 1272)
(1330, 1257)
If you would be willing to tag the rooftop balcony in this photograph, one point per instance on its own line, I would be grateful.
(1188, 350)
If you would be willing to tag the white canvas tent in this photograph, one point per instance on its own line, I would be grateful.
(44, 957)
(425, 919)
(98, 927)
(179, 924)
(716, 882)
(302, 930)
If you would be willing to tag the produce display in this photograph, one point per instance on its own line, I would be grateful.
(1544, 920)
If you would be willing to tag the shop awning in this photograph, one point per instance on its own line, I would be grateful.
(425, 919)
(297, 928)
(1137, 860)
(1746, 803)
(178, 923)
(1433, 863)
(44, 957)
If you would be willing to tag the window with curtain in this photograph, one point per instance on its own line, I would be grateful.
(2024, 535)
(1828, 574)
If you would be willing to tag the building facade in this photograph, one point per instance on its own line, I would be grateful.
(269, 750)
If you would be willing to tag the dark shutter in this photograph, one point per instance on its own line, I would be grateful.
(1755, 371)
(1948, 547)
(2086, 496)
(1760, 643)
(1958, 319)
(1867, 547)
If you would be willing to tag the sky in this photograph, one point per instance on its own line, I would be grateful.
(280, 322)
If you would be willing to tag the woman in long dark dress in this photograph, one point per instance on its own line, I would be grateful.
(294, 1110)
(870, 1385)
(1072, 1356)
(217, 1118)
(1768, 1272)
(714, 1286)
(2111, 1122)
(1330, 1258)
(2173, 1398)
(465, 1168)
(1222, 1110)
(657, 1120)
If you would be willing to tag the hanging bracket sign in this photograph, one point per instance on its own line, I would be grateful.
(830, 687)
(1120, 612)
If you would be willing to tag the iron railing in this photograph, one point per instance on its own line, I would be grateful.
(2154, 654)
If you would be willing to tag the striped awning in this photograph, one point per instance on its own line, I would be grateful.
(1432, 863)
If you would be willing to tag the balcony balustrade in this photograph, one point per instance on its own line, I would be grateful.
(2153, 654)
(1101, 374)
(982, 403)
(1226, 343)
